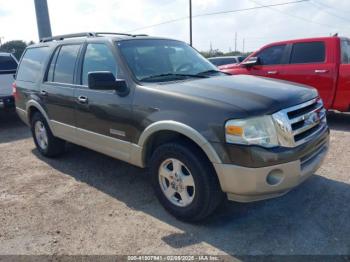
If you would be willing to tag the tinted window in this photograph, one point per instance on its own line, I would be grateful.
(98, 57)
(272, 55)
(65, 64)
(31, 64)
(7, 63)
(345, 51)
(52, 66)
(311, 52)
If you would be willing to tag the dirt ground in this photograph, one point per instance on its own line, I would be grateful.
(88, 203)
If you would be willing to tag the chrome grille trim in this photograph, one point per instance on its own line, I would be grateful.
(290, 129)
(300, 118)
(307, 127)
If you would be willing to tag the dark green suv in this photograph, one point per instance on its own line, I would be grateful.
(158, 103)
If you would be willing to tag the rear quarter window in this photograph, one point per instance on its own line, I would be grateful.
(62, 66)
(7, 63)
(305, 53)
(32, 63)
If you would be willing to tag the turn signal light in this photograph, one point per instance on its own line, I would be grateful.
(234, 130)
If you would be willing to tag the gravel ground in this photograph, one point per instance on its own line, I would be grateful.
(88, 203)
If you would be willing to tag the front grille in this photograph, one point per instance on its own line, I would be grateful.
(298, 124)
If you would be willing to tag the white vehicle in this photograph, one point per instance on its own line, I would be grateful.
(8, 67)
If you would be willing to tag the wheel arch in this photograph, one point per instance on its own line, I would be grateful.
(32, 107)
(169, 130)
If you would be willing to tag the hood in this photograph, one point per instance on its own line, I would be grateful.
(254, 95)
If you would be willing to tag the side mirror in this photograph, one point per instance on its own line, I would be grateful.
(252, 61)
(104, 80)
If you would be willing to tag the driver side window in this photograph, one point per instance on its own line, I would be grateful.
(98, 57)
(272, 55)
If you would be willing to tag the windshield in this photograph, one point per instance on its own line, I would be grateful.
(164, 60)
(7, 63)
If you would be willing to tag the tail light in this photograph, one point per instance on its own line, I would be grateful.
(14, 91)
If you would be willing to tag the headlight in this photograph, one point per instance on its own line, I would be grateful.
(253, 131)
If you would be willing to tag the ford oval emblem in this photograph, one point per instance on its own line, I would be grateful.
(312, 119)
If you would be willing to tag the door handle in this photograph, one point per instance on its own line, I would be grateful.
(43, 93)
(272, 72)
(83, 99)
(321, 71)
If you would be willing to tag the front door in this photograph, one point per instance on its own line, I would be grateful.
(103, 117)
(271, 62)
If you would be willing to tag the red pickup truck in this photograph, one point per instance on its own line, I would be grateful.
(323, 63)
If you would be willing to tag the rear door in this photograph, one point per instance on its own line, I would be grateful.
(58, 88)
(272, 60)
(312, 63)
(8, 67)
(342, 96)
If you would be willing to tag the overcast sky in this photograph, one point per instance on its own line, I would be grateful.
(257, 27)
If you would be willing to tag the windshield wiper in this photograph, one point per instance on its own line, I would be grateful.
(172, 74)
(208, 72)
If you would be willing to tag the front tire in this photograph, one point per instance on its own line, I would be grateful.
(184, 181)
(47, 144)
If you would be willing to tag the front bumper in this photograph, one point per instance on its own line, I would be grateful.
(244, 184)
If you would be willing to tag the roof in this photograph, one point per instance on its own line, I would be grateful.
(87, 34)
(77, 37)
(310, 39)
(5, 54)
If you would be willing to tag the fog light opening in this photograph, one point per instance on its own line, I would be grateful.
(275, 177)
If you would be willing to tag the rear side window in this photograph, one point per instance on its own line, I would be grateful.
(32, 63)
(7, 63)
(98, 57)
(345, 51)
(272, 55)
(63, 64)
(312, 52)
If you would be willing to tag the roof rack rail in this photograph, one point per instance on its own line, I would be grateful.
(61, 37)
(85, 34)
(112, 33)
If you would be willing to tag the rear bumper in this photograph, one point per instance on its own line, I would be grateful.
(22, 115)
(243, 184)
(7, 102)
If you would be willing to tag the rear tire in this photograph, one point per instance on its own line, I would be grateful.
(47, 144)
(184, 181)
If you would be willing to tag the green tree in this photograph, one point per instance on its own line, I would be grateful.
(16, 47)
